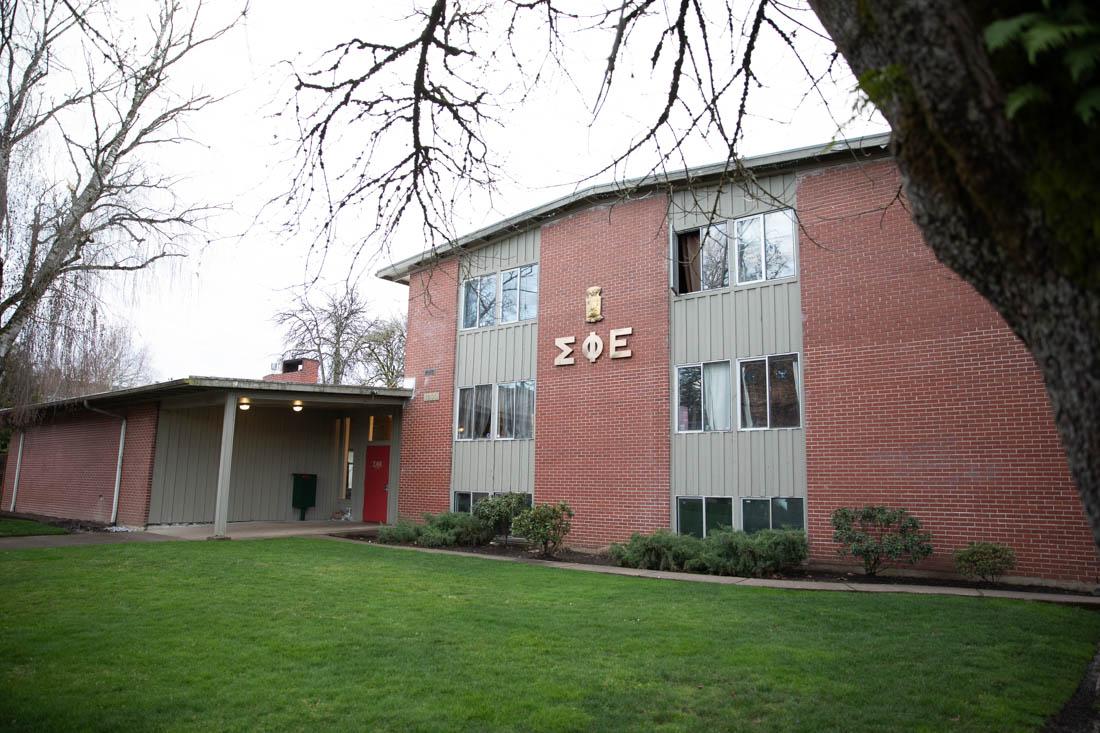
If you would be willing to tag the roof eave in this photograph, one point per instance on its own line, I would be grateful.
(400, 272)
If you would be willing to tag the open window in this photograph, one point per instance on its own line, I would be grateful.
(702, 259)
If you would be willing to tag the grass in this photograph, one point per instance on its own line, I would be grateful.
(302, 634)
(26, 528)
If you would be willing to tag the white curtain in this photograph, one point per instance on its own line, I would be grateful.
(717, 400)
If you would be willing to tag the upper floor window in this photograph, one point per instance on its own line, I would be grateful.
(763, 249)
(518, 301)
(503, 411)
(479, 301)
(769, 392)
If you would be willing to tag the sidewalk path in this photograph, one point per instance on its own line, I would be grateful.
(818, 585)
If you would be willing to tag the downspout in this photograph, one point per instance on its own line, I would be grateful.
(118, 465)
(18, 466)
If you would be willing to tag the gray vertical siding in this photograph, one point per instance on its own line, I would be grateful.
(729, 324)
(504, 353)
(271, 444)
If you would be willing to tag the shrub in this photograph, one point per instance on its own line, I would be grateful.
(545, 525)
(985, 560)
(500, 511)
(454, 528)
(723, 552)
(880, 536)
(756, 555)
(661, 550)
(404, 532)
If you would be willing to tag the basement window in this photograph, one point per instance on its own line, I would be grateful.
(769, 392)
(475, 413)
(465, 501)
(699, 515)
(702, 259)
(775, 513)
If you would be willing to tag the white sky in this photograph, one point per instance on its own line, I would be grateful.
(210, 314)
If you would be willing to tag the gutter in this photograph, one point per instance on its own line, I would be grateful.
(118, 464)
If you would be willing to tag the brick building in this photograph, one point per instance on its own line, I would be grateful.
(685, 352)
(767, 350)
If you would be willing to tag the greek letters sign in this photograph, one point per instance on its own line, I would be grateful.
(593, 346)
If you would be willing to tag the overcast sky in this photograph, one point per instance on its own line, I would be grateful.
(211, 314)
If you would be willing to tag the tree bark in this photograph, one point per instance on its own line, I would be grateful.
(970, 176)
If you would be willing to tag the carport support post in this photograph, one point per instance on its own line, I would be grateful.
(225, 465)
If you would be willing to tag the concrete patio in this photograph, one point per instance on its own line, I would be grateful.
(261, 530)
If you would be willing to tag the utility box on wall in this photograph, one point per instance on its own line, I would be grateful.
(305, 493)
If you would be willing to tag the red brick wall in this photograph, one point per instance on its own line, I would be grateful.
(917, 395)
(310, 373)
(137, 464)
(69, 463)
(68, 467)
(602, 429)
(427, 427)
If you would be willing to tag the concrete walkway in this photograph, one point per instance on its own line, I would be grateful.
(816, 585)
(261, 530)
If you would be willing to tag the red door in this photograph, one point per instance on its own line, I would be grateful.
(377, 475)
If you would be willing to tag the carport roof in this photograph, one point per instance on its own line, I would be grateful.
(196, 385)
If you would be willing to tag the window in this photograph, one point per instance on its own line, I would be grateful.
(350, 474)
(765, 247)
(465, 501)
(704, 400)
(519, 294)
(769, 392)
(510, 417)
(475, 412)
(516, 410)
(479, 301)
(519, 297)
(699, 515)
(775, 513)
(703, 259)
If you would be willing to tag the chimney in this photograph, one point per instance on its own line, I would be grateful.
(298, 371)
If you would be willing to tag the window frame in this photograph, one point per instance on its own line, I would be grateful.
(498, 305)
(736, 274)
(494, 427)
(487, 494)
(771, 518)
(702, 392)
(458, 410)
(703, 500)
(768, 391)
(496, 409)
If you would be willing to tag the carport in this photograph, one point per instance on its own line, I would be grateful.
(213, 451)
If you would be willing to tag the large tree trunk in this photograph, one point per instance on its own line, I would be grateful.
(979, 186)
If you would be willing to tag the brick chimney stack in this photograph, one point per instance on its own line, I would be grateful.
(298, 371)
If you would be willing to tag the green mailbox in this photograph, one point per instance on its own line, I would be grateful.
(305, 493)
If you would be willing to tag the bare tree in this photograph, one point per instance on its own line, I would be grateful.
(334, 329)
(384, 364)
(993, 109)
(77, 94)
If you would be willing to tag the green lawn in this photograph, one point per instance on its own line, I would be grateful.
(309, 634)
(26, 528)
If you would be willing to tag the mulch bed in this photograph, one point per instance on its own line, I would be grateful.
(519, 551)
